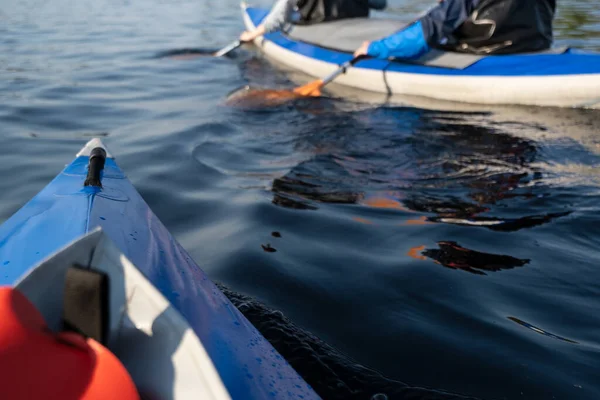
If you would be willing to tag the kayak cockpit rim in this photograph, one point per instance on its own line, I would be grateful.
(154, 342)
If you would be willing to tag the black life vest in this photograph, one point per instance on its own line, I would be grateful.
(506, 26)
(315, 11)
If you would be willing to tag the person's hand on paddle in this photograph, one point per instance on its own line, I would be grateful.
(363, 50)
(248, 36)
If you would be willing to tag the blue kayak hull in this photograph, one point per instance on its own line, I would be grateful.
(65, 210)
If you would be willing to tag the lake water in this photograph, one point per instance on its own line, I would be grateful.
(451, 247)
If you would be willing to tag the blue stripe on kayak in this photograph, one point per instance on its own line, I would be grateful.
(570, 63)
(248, 365)
(54, 217)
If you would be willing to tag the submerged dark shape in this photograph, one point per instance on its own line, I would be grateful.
(454, 256)
(330, 373)
(290, 202)
(312, 192)
(445, 207)
(303, 187)
(487, 168)
(463, 173)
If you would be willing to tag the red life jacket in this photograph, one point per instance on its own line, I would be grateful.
(36, 363)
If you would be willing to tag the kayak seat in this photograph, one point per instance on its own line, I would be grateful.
(36, 363)
(344, 35)
(348, 34)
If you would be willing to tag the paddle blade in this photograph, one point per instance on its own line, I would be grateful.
(310, 89)
(260, 98)
(187, 53)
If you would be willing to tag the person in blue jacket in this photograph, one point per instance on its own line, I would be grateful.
(471, 26)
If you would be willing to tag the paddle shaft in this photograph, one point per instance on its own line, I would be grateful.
(307, 89)
(341, 70)
(229, 48)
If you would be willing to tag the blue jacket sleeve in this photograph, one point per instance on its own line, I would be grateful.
(407, 43)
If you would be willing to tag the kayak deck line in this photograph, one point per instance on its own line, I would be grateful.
(96, 161)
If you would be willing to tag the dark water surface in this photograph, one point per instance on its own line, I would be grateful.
(446, 246)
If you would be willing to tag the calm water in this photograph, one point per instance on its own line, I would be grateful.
(445, 246)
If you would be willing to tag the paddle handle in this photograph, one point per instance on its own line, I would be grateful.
(341, 70)
(229, 48)
(96, 165)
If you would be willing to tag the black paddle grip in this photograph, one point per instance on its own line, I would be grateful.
(95, 166)
(358, 58)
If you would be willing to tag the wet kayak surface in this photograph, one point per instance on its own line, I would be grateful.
(447, 246)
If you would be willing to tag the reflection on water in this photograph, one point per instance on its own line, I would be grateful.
(310, 185)
(454, 256)
(539, 330)
(502, 224)
(460, 172)
(440, 166)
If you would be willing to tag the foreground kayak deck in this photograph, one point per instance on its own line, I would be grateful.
(65, 210)
(569, 79)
